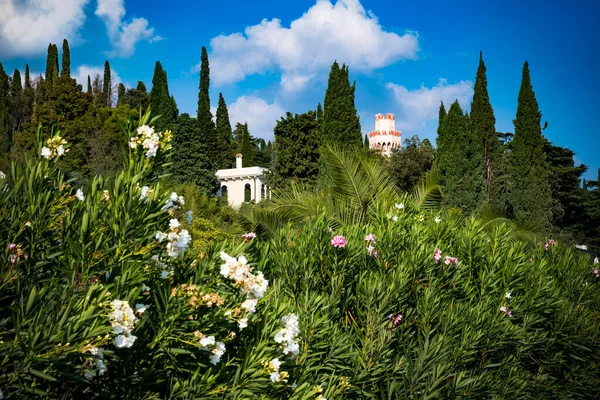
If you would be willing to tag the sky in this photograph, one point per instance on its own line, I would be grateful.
(268, 57)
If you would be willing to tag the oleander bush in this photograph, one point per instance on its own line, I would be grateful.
(102, 297)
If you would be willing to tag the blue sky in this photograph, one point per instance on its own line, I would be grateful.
(268, 57)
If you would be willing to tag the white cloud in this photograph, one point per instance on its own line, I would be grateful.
(123, 35)
(27, 26)
(83, 71)
(294, 83)
(344, 31)
(417, 107)
(260, 116)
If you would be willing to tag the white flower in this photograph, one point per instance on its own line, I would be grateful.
(275, 377)
(243, 323)
(159, 236)
(140, 308)
(145, 289)
(174, 223)
(164, 274)
(189, 217)
(437, 220)
(320, 397)
(79, 195)
(60, 150)
(507, 295)
(399, 206)
(2, 175)
(250, 305)
(596, 260)
(124, 341)
(207, 340)
(173, 197)
(46, 153)
(395, 218)
(144, 193)
(275, 364)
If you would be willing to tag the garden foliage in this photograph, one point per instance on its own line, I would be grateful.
(99, 297)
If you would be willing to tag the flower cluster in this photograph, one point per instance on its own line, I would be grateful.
(150, 140)
(174, 202)
(55, 148)
(15, 253)
(504, 309)
(123, 321)
(288, 336)
(550, 242)
(339, 241)
(248, 236)
(196, 298)
(208, 343)
(395, 318)
(272, 368)
(252, 285)
(178, 239)
(146, 191)
(106, 196)
(437, 255)
(96, 363)
(596, 273)
(370, 239)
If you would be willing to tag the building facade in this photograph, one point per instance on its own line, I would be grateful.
(385, 137)
(243, 184)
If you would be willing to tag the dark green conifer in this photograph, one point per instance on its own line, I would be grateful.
(66, 59)
(107, 86)
(205, 118)
(121, 94)
(161, 103)
(89, 85)
(530, 193)
(224, 135)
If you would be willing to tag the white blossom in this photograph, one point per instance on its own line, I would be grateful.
(174, 223)
(46, 153)
(123, 321)
(287, 337)
(140, 308)
(507, 295)
(189, 217)
(437, 220)
(79, 195)
(243, 323)
(395, 218)
(399, 206)
(144, 193)
(2, 175)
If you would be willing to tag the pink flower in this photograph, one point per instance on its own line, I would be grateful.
(370, 237)
(509, 313)
(329, 229)
(248, 236)
(11, 246)
(395, 318)
(503, 309)
(596, 273)
(339, 241)
(450, 260)
(437, 255)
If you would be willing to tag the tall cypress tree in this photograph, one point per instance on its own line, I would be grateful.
(483, 125)
(207, 127)
(121, 94)
(161, 103)
(246, 148)
(55, 71)
(530, 193)
(49, 65)
(224, 135)
(5, 137)
(340, 121)
(107, 87)
(66, 59)
(89, 85)
(28, 96)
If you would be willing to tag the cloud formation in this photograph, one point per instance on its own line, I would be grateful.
(417, 107)
(27, 26)
(82, 72)
(342, 31)
(123, 35)
(260, 115)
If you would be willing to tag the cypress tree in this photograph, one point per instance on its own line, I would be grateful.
(246, 148)
(161, 102)
(49, 65)
(121, 95)
(27, 77)
(483, 125)
(224, 135)
(28, 96)
(107, 87)
(340, 121)
(66, 59)
(207, 127)
(319, 113)
(55, 71)
(530, 192)
(89, 85)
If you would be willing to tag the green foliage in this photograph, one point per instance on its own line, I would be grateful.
(530, 194)
(160, 101)
(227, 148)
(107, 86)
(411, 162)
(296, 149)
(66, 59)
(341, 123)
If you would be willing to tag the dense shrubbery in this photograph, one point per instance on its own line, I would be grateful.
(94, 304)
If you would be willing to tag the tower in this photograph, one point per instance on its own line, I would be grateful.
(385, 137)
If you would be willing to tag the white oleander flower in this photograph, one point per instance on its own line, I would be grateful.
(46, 153)
(79, 195)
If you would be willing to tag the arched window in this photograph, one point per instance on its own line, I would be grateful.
(262, 191)
(247, 192)
(223, 193)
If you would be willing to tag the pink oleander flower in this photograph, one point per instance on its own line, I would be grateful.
(395, 318)
(450, 260)
(12, 246)
(248, 236)
(437, 255)
(370, 237)
(339, 241)
(503, 309)
(509, 313)
(596, 273)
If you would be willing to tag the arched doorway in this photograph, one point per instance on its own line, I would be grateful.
(223, 193)
(247, 192)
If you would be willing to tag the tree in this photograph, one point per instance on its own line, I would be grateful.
(66, 59)
(224, 135)
(296, 149)
(89, 85)
(51, 66)
(409, 164)
(5, 137)
(483, 125)
(161, 103)
(246, 147)
(97, 94)
(121, 95)
(16, 103)
(207, 126)
(530, 192)
(190, 156)
(107, 87)
(28, 96)
(341, 123)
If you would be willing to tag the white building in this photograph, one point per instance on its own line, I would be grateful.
(385, 137)
(243, 184)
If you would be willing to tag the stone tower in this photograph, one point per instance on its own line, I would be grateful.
(385, 137)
